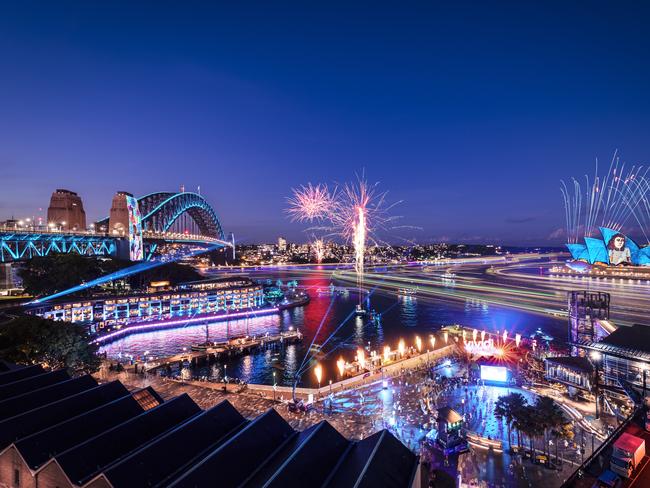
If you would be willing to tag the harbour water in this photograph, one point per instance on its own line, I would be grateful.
(402, 317)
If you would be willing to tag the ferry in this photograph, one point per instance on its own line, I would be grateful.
(408, 291)
(332, 290)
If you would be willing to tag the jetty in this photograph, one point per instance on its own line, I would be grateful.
(214, 351)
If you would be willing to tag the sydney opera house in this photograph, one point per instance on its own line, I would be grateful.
(611, 249)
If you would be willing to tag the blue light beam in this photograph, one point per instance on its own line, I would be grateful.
(131, 270)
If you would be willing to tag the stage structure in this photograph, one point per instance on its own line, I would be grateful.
(588, 316)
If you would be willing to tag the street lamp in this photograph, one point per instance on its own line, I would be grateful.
(274, 385)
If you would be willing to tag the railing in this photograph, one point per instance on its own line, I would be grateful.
(178, 236)
(578, 473)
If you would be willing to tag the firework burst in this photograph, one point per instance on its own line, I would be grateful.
(357, 214)
(311, 203)
(318, 248)
(607, 201)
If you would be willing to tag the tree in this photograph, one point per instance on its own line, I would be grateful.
(50, 274)
(33, 340)
(507, 407)
(529, 423)
(47, 275)
(549, 416)
(562, 431)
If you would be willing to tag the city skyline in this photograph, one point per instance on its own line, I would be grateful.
(470, 118)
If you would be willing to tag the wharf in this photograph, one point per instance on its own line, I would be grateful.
(218, 350)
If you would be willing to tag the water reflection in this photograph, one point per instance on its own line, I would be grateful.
(401, 318)
(409, 311)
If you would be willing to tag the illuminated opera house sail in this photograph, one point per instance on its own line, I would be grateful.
(612, 249)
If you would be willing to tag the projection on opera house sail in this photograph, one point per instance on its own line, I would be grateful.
(597, 210)
(612, 249)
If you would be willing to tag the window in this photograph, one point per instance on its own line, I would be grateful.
(16, 477)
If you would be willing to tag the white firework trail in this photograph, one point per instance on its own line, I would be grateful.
(606, 201)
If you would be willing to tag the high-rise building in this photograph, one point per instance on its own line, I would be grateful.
(282, 244)
(66, 211)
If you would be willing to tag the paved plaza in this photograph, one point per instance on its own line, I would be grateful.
(405, 404)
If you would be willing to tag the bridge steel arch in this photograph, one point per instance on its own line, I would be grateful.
(160, 210)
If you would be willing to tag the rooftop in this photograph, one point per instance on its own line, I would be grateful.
(449, 415)
(132, 439)
(635, 338)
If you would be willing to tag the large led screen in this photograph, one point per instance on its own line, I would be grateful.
(136, 249)
(494, 373)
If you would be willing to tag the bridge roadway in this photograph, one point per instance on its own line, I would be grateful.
(18, 245)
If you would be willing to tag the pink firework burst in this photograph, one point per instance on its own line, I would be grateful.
(310, 203)
(362, 211)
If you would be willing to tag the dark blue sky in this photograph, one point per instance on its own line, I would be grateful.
(468, 112)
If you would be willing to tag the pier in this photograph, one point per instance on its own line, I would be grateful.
(363, 377)
(219, 350)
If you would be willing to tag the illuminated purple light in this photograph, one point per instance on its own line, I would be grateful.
(215, 318)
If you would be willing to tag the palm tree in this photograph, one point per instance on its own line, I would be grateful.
(550, 416)
(530, 423)
(507, 408)
(563, 431)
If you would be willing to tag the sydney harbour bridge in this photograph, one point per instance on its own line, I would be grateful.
(165, 219)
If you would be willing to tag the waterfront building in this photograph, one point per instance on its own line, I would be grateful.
(623, 357)
(575, 372)
(196, 299)
(66, 211)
